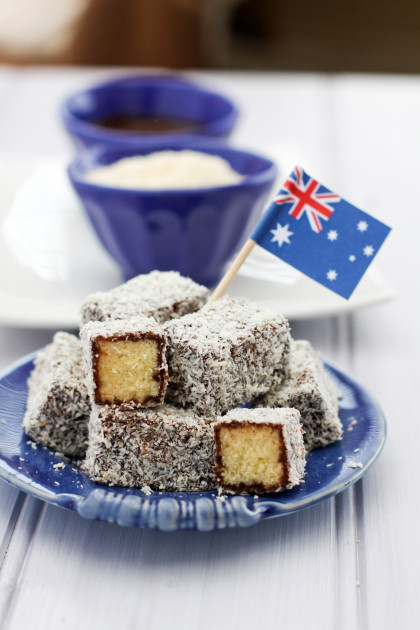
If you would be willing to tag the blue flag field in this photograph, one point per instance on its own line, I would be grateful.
(320, 233)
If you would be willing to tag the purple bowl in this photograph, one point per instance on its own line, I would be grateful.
(212, 114)
(195, 232)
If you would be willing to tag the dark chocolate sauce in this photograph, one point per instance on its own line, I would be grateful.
(147, 124)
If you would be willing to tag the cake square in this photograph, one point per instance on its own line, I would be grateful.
(259, 450)
(126, 362)
(162, 295)
(309, 389)
(58, 405)
(163, 447)
(224, 355)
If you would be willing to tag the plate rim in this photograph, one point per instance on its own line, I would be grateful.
(246, 509)
(14, 314)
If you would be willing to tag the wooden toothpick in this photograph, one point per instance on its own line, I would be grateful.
(232, 271)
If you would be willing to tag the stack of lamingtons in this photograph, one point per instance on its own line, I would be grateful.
(153, 393)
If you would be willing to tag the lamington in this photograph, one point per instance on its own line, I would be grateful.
(224, 355)
(125, 362)
(163, 447)
(309, 389)
(58, 405)
(259, 450)
(162, 295)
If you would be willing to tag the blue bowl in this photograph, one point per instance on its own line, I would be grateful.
(195, 232)
(170, 97)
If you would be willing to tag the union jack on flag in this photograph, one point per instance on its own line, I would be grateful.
(320, 233)
(306, 197)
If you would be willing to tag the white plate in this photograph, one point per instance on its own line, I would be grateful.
(50, 258)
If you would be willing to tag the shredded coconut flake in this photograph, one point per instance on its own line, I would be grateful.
(166, 170)
(162, 295)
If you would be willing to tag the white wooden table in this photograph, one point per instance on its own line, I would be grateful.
(350, 562)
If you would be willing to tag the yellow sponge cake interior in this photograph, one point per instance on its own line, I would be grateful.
(258, 450)
(125, 362)
(127, 369)
(251, 455)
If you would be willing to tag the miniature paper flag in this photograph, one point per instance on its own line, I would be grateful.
(320, 234)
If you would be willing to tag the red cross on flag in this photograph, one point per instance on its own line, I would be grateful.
(306, 198)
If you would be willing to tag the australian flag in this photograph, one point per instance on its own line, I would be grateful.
(320, 234)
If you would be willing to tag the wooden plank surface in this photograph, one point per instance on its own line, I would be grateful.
(387, 344)
(350, 562)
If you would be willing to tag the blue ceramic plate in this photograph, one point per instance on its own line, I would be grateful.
(30, 467)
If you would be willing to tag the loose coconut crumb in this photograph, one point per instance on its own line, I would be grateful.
(147, 490)
(355, 465)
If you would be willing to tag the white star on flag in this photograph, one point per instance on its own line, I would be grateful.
(332, 235)
(352, 258)
(362, 226)
(332, 275)
(281, 234)
(368, 250)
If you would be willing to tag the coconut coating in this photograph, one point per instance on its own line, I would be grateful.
(225, 355)
(309, 389)
(58, 405)
(162, 295)
(163, 447)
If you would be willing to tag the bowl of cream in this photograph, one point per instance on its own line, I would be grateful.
(171, 208)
